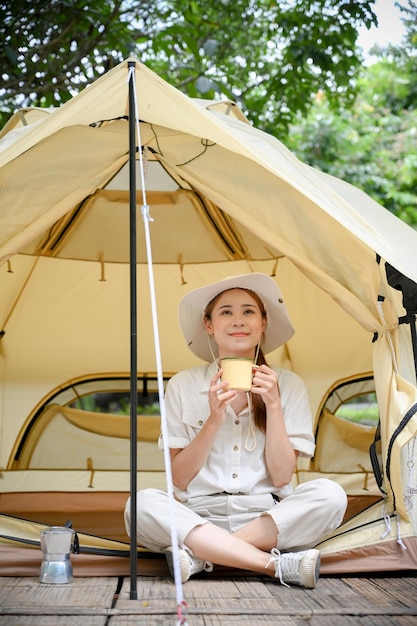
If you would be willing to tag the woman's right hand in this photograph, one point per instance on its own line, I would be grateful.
(219, 397)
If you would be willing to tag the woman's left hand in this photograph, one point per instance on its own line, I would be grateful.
(280, 456)
(265, 384)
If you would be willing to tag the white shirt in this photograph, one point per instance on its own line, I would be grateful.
(231, 467)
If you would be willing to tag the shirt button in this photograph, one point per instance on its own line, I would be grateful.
(237, 422)
(234, 475)
(200, 422)
(235, 448)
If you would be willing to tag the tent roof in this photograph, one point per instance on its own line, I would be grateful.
(210, 148)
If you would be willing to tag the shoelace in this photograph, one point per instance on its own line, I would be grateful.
(275, 558)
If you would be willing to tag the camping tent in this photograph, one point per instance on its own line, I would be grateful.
(224, 199)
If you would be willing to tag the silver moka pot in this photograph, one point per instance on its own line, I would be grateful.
(56, 544)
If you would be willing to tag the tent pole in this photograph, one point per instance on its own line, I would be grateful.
(408, 288)
(412, 321)
(133, 336)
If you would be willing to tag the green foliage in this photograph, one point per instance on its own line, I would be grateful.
(373, 144)
(50, 48)
(367, 416)
(360, 409)
(118, 404)
(269, 56)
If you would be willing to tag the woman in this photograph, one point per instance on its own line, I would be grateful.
(233, 453)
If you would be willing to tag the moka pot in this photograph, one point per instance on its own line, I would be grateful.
(57, 545)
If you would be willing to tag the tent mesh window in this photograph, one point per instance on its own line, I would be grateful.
(345, 431)
(87, 425)
(348, 419)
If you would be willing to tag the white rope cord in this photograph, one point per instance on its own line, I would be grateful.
(181, 605)
(411, 490)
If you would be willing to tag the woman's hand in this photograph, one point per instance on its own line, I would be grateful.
(218, 397)
(265, 384)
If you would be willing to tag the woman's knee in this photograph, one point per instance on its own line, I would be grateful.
(146, 500)
(333, 494)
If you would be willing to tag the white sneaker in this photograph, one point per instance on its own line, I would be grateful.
(188, 563)
(298, 568)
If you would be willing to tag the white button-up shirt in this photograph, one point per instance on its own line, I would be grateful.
(231, 467)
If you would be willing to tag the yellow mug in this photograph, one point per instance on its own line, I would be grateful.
(237, 372)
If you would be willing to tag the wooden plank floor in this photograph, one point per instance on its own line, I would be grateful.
(372, 600)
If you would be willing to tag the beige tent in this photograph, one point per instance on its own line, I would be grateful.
(224, 198)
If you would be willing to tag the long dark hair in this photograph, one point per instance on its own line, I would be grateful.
(258, 405)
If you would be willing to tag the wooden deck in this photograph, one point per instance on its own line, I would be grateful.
(372, 600)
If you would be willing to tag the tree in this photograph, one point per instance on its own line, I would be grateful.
(373, 145)
(270, 56)
(372, 148)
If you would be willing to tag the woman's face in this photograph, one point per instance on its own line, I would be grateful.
(236, 324)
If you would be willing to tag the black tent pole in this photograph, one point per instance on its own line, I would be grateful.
(133, 335)
(408, 288)
(412, 321)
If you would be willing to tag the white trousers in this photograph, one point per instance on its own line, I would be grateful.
(303, 519)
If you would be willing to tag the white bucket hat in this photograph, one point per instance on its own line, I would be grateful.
(193, 306)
